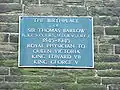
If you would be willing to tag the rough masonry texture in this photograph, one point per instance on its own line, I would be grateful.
(105, 75)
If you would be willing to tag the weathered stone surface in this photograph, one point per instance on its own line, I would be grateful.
(10, 8)
(114, 80)
(106, 65)
(61, 10)
(8, 47)
(22, 79)
(112, 30)
(109, 39)
(95, 48)
(32, 71)
(14, 38)
(69, 11)
(1, 78)
(85, 73)
(43, 86)
(30, 2)
(114, 40)
(72, 73)
(109, 73)
(8, 63)
(55, 10)
(105, 21)
(9, 1)
(76, 2)
(96, 40)
(65, 2)
(8, 56)
(106, 49)
(7, 86)
(105, 11)
(117, 49)
(9, 18)
(111, 3)
(115, 86)
(4, 37)
(88, 80)
(64, 79)
(98, 30)
(107, 58)
(4, 71)
(9, 28)
(50, 86)
(93, 3)
(38, 10)
(51, 1)
(104, 39)
(78, 11)
(85, 87)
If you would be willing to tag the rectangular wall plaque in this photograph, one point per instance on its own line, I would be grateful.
(56, 41)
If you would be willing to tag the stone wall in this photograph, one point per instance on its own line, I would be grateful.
(105, 75)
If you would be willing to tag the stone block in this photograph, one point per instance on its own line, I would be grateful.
(106, 65)
(30, 71)
(88, 80)
(104, 11)
(10, 8)
(108, 49)
(117, 49)
(56, 79)
(93, 3)
(105, 21)
(51, 1)
(8, 63)
(9, 18)
(14, 38)
(109, 73)
(4, 37)
(113, 80)
(8, 47)
(22, 79)
(9, 1)
(108, 58)
(13, 28)
(98, 30)
(78, 11)
(114, 40)
(38, 10)
(75, 2)
(85, 87)
(8, 86)
(4, 71)
(114, 87)
(8, 56)
(112, 30)
(30, 2)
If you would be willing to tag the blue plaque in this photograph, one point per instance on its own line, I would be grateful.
(56, 41)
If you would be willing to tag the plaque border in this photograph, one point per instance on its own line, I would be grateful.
(59, 67)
